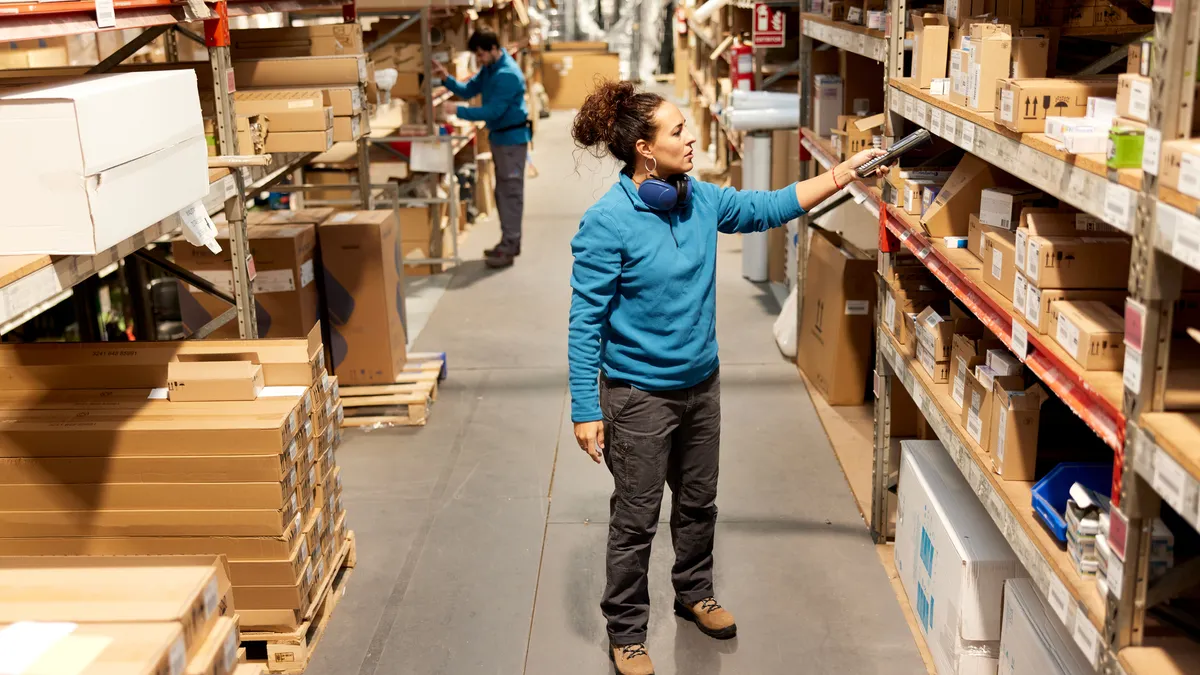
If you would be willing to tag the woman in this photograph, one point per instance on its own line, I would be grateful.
(645, 386)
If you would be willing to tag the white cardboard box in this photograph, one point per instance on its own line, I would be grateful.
(827, 103)
(952, 561)
(91, 162)
(1033, 640)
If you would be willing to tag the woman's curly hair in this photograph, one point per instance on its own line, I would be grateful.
(614, 118)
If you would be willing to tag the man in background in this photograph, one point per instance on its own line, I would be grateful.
(501, 84)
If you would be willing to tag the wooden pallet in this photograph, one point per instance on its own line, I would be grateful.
(289, 652)
(404, 403)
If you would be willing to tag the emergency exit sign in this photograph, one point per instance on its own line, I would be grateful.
(768, 26)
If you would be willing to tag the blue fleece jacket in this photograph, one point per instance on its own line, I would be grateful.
(503, 87)
(643, 308)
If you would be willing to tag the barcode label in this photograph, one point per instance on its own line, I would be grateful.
(106, 15)
(1006, 105)
(1022, 247)
(960, 382)
(974, 423)
(910, 106)
(997, 263)
(1139, 101)
(968, 136)
(1033, 306)
(1189, 175)
(1059, 599)
(1020, 339)
(1001, 432)
(1088, 640)
(1185, 246)
(1067, 335)
(935, 122)
(1120, 204)
(1169, 479)
(1033, 263)
(1019, 292)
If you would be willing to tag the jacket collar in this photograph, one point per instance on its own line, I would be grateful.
(500, 63)
(631, 191)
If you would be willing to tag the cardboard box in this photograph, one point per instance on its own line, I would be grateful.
(857, 133)
(363, 293)
(991, 56)
(291, 596)
(92, 649)
(1125, 145)
(827, 103)
(960, 76)
(960, 12)
(347, 128)
(1040, 309)
(320, 40)
(314, 119)
(1016, 12)
(300, 141)
(1025, 104)
(570, 76)
(999, 265)
(959, 198)
(967, 353)
(1033, 640)
(977, 401)
(935, 332)
(1030, 57)
(143, 496)
(82, 470)
(931, 43)
(1077, 262)
(1092, 333)
(785, 158)
(345, 100)
(148, 523)
(305, 71)
(138, 134)
(285, 295)
(836, 322)
(218, 654)
(1172, 171)
(977, 236)
(1014, 435)
(183, 592)
(1133, 96)
(1001, 207)
(214, 380)
(951, 560)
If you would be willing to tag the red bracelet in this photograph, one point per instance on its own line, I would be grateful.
(833, 175)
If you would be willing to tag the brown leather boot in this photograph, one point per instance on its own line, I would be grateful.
(631, 660)
(711, 618)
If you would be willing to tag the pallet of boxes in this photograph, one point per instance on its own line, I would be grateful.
(72, 615)
(219, 447)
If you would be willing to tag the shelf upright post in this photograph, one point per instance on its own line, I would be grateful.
(350, 15)
(1155, 281)
(216, 38)
(806, 163)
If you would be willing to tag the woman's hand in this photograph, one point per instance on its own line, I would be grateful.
(844, 173)
(590, 436)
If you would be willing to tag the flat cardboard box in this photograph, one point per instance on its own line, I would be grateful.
(1092, 333)
(363, 290)
(149, 523)
(991, 59)
(185, 592)
(290, 596)
(931, 42)
(347, 128)
(276, 101)
(1031, 101)
(951, 560)
(1034, 640)
(1002, 206)
(836, 323)
(999, 262)
(345, 100)
(235, 548)
(967, 353)
(83, 470)
(305, 71)
(54, 648)
(317, 119)
(1133, 96)
(300, 141)
(192, 381)
(1014, 435)
(320, 40)
(285, 293)
(1040, 308)
(1078, 262)
(218, 654)
(949, 216)
(143, 496)
(271, 572)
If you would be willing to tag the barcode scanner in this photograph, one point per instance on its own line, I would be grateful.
(916, 138)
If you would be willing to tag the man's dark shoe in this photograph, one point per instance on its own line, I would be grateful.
(631, 659)
(711, 618)
(502, 248)
(500, 260)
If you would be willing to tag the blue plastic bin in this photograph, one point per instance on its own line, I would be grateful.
(1050, 494)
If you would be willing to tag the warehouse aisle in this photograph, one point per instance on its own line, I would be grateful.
(481, 536)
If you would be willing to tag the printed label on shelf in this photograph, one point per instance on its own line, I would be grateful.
(1067, 335)
(950, 125)
(923, 252)
(1120, 205)
(904, 236)
(1020, 291)
(926, 113)
(858, 307)
(968, 136)
(1033, 261)
(1169, 479)
(1185, 245)
(896, 101)
(997, 263)
(935, 121)
(1021, 249)
(1131, 374)
(1059, 599)
(1139, 100)
(889, 313)
(910, 107)
(1115, 576)
(1189, 175)
(918, 398)
(230, 186)
(974, 423)
(1020, 339)
(960, 382)
(1151, 150)
(1088, 639)
(106, 15)
(1006, 105)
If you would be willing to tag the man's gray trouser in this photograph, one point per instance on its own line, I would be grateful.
(653, 438)
(509, 161)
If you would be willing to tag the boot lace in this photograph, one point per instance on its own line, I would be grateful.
(633, 651)
(709, 605)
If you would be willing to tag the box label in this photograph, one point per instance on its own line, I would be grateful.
(1033, 305)
(1020, 287)
(1131, 372)
(974, 422)
(1169, 479)
(1067, 335)
(1151, 150)
(889, 313)
(976, 76)
(1002, 428)
(1059, 599)
(857, 307)
(997, 263)
(1189, 175)
(960, 382)
(1020, 339)
(1022, 248)
(1139, 100)
(1033, 264)
(1120, 205)
(1088, 639)
(1006, 105)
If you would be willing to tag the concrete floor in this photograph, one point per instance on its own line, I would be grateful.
(481, 536)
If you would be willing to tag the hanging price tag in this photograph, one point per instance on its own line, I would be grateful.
(1020, 340)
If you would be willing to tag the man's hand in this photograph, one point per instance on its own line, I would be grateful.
(450, 109)
(590, 436)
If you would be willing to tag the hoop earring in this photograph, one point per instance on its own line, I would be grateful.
(650, 169)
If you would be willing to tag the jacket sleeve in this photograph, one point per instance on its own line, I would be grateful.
(468, 89)
(741, 212)
(507, 88)
(594, 280)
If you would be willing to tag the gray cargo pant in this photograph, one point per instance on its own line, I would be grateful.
(652, 438)
(509, 161)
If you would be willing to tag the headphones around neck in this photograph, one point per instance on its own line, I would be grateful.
(665, 194)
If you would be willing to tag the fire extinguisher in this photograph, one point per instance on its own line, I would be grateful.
(741, 70)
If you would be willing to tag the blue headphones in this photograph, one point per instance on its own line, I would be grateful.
(664, 195)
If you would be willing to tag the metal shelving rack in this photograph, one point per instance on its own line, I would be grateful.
(1157, 453)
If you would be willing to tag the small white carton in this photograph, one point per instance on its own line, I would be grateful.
(1033, 640)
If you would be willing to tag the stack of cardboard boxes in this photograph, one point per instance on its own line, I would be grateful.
(179, 448)
(92, 616)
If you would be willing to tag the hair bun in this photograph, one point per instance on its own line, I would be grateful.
(594, 122)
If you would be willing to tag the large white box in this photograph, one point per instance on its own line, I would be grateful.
(90, 162)
(952, 561)
(826, 103)
(1033, 640)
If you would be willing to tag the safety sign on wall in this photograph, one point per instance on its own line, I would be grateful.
(769, 24)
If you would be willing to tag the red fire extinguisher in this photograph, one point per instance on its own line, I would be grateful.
(741, 70)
